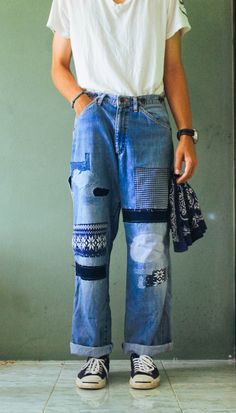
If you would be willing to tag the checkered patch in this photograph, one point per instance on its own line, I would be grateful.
(151, 187)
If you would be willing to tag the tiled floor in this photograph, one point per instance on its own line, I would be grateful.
(189, 386)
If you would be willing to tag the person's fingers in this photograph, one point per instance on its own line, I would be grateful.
(190, 160)
(189, 170)
(178, 162)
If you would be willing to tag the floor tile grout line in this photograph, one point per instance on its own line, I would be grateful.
(171, 386)
(53, 387)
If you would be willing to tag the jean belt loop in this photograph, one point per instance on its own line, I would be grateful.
(162, 97)
(135, 103)
(100, 98)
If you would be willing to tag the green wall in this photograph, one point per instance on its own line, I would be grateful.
(36, 267)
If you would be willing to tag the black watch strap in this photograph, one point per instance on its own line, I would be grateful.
(185, 131)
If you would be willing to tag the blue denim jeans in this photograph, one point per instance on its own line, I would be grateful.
(122, 158)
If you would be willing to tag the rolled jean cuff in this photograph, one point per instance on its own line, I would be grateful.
(80, 350)
(148, 350)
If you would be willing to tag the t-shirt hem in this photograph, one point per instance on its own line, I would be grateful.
(154, 91)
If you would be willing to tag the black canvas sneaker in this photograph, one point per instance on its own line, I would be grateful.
(144, 372)
(94, 373)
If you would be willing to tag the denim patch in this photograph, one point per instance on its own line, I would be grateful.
(81, 165)
(151, 187)
(90, 240)
(100, 191)
(155, 278)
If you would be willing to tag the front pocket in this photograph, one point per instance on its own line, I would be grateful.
(86, 108)
(156, 113)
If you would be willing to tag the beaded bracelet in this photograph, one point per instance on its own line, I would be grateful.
(76, 97)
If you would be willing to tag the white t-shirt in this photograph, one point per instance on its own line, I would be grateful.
(119, 48)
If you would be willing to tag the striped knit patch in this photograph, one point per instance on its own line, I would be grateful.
(151, 187)
(90, 240)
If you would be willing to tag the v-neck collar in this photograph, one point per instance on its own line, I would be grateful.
(124, 3)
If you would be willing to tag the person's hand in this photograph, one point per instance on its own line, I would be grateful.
(81, 103)
(185, 152)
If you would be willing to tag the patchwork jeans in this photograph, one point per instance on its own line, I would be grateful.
(122, 158)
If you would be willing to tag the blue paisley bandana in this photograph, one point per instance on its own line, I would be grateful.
(186, 220)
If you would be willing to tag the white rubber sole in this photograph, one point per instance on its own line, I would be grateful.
(142, 382)
(91, 382)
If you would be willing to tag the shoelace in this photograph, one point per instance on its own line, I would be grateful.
(94, 366)
(143, 363)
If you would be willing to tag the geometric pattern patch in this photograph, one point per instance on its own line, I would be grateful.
(151, 187)
(90, 240)
(156, 277)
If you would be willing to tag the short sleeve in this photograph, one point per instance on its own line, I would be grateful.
(177, 18)
(58, 20)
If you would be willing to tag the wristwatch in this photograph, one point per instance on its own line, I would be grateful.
(191, 132)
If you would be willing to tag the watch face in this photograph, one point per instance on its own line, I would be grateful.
(195, 136)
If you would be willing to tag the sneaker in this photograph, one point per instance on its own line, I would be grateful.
(93, 373)
(144, 372)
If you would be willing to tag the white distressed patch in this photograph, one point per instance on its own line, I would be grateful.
(147, 247)
(82, 178)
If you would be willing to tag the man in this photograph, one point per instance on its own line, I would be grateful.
(127, 57)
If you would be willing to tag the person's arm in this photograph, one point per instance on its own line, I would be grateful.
(176, 90)
(62, 76)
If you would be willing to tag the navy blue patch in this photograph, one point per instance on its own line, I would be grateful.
(90, 273)
(90, 240)
(100, 191)
(157, 277)
(145, 215)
